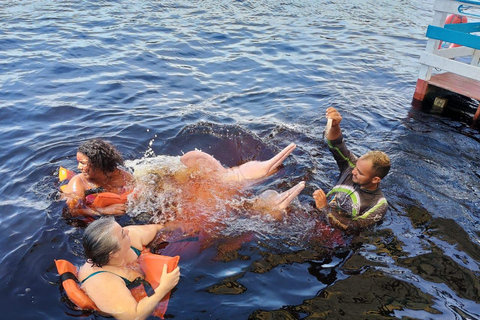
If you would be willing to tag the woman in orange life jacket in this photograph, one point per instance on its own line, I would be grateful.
(99, 163)
(113, 265)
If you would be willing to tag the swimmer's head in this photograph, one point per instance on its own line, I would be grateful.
(380, 163)
(101, 154)
(99, 241)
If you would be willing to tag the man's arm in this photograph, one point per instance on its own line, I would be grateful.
(335, 131)
(336, 144)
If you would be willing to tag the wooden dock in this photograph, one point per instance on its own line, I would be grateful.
(454, 83)
(458, 77)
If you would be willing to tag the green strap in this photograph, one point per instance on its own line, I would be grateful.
(137, 251)
(92, 274)
(372, 210)
(337, 150)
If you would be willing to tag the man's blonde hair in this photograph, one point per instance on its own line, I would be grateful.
(380, 162)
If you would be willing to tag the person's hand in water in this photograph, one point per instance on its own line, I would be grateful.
(114, 209)
(320, 199)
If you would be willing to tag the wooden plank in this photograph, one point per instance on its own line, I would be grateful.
(456, 83)
(449, 6)
(465, 70)
(454, 52)
(445, 6)
(470, 2)
(453, 36)
(468, 27)
(475, 58)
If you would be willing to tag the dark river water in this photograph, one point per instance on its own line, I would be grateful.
(241, 80)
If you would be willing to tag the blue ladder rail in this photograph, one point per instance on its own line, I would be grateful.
(470, 2)
(457, 33)
(462, 9)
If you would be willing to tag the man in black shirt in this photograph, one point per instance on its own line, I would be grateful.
(356, 201)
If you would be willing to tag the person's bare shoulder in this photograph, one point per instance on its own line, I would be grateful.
(75, 185)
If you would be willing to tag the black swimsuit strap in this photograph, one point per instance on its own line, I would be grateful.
(93, 191)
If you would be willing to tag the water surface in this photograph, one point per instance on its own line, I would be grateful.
(241, 80)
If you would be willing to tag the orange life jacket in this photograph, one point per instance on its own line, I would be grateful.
(151, 264)
(104, 199)
(100, 200)
(68, 274)
(64, 175)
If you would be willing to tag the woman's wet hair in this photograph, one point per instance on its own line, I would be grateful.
(102, 154)
(99, 241)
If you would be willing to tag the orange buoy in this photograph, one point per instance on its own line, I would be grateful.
(452, 19)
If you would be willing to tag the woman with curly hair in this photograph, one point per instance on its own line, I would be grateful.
(99, 163)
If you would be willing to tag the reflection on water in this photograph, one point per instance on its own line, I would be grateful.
(372, 288)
